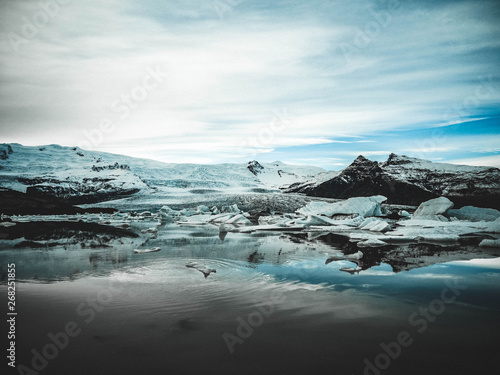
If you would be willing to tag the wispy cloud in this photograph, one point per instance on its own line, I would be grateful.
(429, 64)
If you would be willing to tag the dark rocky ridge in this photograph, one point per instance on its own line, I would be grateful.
(410, 181)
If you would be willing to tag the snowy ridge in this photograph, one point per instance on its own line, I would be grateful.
(81, 176)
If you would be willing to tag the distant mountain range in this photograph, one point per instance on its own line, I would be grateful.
(78, 176)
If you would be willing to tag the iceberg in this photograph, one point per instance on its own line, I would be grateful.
(363, 206)
(433, 209)
(471, 213)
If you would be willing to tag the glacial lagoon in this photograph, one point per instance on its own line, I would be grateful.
(278, 303)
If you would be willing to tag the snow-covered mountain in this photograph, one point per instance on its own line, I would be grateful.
(406, 180)
(81, 176)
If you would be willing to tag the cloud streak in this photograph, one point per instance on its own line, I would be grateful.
(428, 64)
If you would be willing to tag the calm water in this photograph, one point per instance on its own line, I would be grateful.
(274, 306)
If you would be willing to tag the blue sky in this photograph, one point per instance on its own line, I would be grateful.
(309, 82)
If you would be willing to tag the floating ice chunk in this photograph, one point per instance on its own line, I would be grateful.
(404, 213)
(490, 243)
(202, 209)
(372, 242)
(143, 251)
(221, 218)
(363, 206)
(239, 220)
(215, 210)
(474, 214)
(223, 228)
(375, 225)
(165, 218)
(433, 209)
(231, 209)
(150, 230)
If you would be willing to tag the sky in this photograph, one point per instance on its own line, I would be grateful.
(212, 81)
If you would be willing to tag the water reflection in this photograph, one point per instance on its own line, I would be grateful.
(66, 250)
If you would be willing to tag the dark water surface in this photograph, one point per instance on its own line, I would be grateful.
(274, 306)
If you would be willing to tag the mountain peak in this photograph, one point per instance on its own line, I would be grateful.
(395, 159)
(362, 163)
(255, 167)
(361, 158)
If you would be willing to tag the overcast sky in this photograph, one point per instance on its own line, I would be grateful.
(308, 82)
